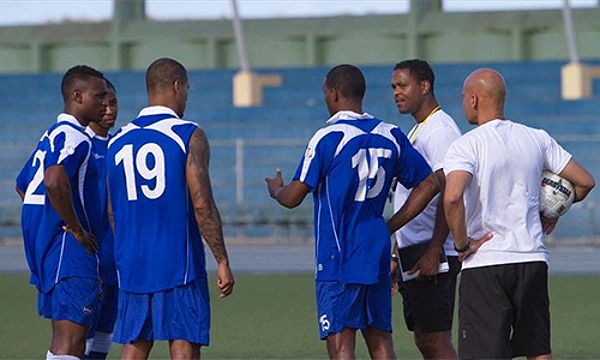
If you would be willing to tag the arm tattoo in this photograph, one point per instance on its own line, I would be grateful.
(205, 210)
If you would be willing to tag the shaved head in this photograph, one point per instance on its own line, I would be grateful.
(167, 85)
(484, 92)
(162, 73)
(487, 83)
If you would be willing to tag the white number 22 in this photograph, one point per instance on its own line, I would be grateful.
(125, 155)
(366, 172)
(30, 197)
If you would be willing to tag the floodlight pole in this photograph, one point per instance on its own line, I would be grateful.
(240, 41)
(570, 32)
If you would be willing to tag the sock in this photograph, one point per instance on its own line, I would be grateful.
(99, 346)
(88, 346)
(64, 357)
(49, 355)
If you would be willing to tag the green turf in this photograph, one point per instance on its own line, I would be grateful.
(273, 316)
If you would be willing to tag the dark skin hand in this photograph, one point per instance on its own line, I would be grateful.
(428, 265)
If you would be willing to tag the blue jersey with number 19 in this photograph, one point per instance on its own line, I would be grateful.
(157, 241)
(349, 166)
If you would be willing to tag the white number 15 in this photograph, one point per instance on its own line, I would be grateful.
(366, 172)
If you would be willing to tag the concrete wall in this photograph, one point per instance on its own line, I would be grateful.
(130, 41)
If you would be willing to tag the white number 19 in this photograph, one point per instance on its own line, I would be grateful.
(125, 155)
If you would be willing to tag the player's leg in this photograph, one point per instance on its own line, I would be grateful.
(181, 349)
(531, 335)
(429, 310)
(377, 310)
(69, 338)
(137, 350)
(98, 345)
(435, 345)
(341, 345)
(339, 314)
(182, 316)
(379, 343)
(72, 306)
(485, 313)
(133, 326)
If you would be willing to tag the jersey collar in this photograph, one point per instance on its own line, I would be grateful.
(155, 110)
(64, 117)
(348, 115)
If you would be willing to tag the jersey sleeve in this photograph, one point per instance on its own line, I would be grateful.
(438, 143)
(25, 175)
(556, 157)
(67, 148)
(411, 167)
(318, 157)
(459, 157)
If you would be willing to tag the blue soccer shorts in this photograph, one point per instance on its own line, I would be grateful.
(75, 299)
(107, 311)
(353, 306)
(181, 313)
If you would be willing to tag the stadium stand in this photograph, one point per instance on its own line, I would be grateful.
(275, 134)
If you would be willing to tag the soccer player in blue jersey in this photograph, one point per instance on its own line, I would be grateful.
(348, 166)
(100, 334)
(58, 243)
(162, 204)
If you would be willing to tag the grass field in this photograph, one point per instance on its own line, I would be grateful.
(273, 316)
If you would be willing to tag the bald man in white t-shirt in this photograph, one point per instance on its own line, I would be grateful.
(496, 168)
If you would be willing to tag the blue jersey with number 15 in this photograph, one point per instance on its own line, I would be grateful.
(349, 166)
(157, 242)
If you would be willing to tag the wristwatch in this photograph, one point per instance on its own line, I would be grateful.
(394, 258)
(463, 248)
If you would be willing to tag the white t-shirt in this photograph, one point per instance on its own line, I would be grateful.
(506, 161)
(431, 139)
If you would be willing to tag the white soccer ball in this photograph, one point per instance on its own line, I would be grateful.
(556, 195)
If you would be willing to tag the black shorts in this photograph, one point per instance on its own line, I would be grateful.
(504, 311)
(429, 304)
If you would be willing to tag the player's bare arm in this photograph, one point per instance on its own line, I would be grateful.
(290, 195)
(418, 199)
(454, 209)
(58, 189)
(428, 265)
(205, 210)
(581, 179)
(20, 192)
(109, 210)
(394, 268)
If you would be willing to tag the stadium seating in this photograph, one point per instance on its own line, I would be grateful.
(275, 133)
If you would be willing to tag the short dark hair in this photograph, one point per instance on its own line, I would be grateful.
(110, 85)
(419, 69)
(348, 80)
(75, 74)
(163, 72)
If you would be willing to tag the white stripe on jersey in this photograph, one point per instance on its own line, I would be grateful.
(385, 130)
(166, 127)
(349, 132)
(62, 250)
(124, 130)
(72, 139)
(333, 225)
